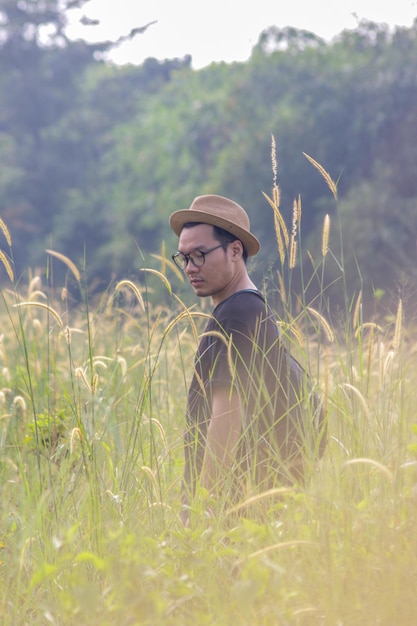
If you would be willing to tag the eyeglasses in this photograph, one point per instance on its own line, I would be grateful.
(197, 258)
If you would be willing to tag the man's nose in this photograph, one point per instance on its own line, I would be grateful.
(190, 268)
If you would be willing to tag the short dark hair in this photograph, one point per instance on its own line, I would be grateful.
(222, 236)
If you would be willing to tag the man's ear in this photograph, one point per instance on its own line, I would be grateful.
(237, 248)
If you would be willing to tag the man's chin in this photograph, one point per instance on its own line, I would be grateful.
(200, 292)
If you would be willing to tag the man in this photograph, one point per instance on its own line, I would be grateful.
(246, 417)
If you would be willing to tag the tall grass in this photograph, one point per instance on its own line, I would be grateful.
(92, 399)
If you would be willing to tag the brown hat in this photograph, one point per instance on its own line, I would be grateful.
(218, 211)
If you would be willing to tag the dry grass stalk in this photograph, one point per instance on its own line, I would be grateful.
(161, 276)
(325, 235)
(80, 373)
(274, 161)
(355, 391)
(293, 246)
(75, 434)
(386, 365)
(280, 243)
(295, 330)
(282, 291)
(94, 384)
(324, 323)
(277, 491)
(7, 266)
(218, 334)
(370, 346)
(357, 312)
(45, 307)
(187, 313)
(299, 211)
(372, 326)
(398, 327)
(375, 464)
(279, 219)
(5, 232)
(326, 386)
(293, 253)
(132, 286)
(284, 544)
(159, 426)
(71, 266)
(330, 182)
(276, 193)
(165, 263)
(149, 473)
(231, 364)
(68, 335)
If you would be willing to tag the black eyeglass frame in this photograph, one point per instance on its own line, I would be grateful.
(181, 259)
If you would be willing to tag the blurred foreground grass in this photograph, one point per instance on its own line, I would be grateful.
(91, 418)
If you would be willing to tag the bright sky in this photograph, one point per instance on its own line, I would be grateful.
(224, 30)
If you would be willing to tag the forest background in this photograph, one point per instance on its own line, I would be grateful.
(94, 157)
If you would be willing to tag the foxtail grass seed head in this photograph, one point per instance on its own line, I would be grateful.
(274, 161)
(294, 227)
(282, 291)
(45, 307)
(5, 372)
(36, 323)
(163, 278)
(64, 294)
(387, 365)
(5, 232)
(373, 327)
(123, 365)
(325, 235)
(7, 266)
(132, 287)
(79, 373)
(398, 327)
(279, 220)
(280, 243)
(293, 253)
(294, 329)
(68, 335)
(71, 266)
(34, 285)
(167, 263)
(276, 195)
(94, 384)
(354, 391)
(154, 422)
(299, 210)
(357, 313)
(330, 182)
(323, 322)
(76, 434)
(19, 406)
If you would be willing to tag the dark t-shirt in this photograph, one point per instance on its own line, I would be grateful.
(241, 349)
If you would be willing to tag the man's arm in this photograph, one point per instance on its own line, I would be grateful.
(222, 437)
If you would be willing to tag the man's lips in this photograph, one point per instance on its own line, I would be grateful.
(195, 282)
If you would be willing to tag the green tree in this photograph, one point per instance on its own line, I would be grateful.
(48, 130)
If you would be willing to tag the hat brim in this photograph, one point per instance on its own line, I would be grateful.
(179, 218)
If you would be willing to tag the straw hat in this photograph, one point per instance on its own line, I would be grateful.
(218, 211)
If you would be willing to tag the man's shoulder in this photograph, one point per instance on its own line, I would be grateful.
(241, 300)
(244, 306)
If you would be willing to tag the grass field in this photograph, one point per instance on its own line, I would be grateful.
(92, 403)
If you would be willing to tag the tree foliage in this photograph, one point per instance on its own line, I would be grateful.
(93, 157)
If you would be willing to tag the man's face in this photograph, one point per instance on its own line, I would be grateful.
(215, 277)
